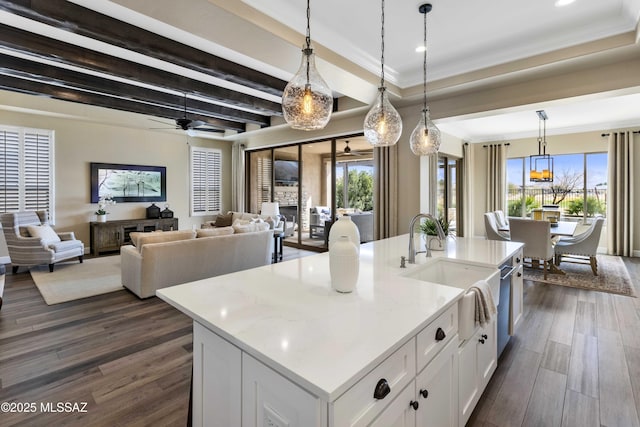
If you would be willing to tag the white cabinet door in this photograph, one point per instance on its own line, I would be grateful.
(401, 412)
(216, 380)
(439, 383)
(468, 385)
(271, 400)
(487, 344)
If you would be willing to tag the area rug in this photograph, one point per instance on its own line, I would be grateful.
(612, 277)
(72, 280)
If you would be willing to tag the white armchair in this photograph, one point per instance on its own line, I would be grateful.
(491, 228)
(31, 241)
(536, 237)
(581, 248)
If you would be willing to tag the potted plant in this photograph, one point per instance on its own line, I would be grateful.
(103, 202)
(428, 228)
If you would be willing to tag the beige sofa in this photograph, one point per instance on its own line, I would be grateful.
(170, 258)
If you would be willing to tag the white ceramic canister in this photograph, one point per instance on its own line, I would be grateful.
(345, 227)
(344, 265)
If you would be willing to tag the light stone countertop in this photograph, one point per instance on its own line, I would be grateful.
(287, 316)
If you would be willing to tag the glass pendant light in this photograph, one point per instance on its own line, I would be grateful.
(382, 124)
(425, 138)
(307, 101)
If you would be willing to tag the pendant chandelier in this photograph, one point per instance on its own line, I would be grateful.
(541, 165)
(425, 138)
(307, 101)
(382, 124)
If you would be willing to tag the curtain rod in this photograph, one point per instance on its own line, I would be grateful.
(607, 134)
(506, 143)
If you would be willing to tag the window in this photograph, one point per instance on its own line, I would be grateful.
(579, 180)
(26, 170)
(206, 181)
(357, 178)
(448, 191)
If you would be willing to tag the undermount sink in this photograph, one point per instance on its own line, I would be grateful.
(445, 271)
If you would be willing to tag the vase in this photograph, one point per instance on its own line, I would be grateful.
(345, 227)
(101, 218)
(344, 265)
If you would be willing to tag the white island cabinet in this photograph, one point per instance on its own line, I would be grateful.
(275, 346)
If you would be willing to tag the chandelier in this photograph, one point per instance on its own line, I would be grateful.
(307, 101)
(425, 138)
(382, 124)
(541, 165)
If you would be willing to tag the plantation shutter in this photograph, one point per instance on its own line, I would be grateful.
(9, 171)
(264, 179)
(37, 171)
(26, 170)
(206, 181)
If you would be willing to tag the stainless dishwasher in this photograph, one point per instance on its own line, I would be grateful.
(506, 271)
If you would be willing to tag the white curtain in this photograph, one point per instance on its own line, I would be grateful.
(237, 176)
(467, 188)
(385, 192)
(620, 188)
(496, 169)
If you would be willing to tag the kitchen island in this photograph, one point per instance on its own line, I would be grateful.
(275, 346)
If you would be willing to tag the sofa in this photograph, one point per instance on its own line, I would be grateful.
(228, 219)
(159, 259)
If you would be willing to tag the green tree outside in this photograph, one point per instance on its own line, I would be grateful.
(359, 191)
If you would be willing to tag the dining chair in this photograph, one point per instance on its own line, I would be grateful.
(581, 249)
(536, 236)
(491, 229)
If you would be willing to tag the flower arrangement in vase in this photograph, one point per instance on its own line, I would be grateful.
(103, 202)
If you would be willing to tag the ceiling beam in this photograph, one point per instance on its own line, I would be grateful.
(42, 47)
(33, 87)
(80, 20)
(31, 70)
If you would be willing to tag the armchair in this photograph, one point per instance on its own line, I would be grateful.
(536, 236)
(491, 228)
(582, 246)
(31, 241)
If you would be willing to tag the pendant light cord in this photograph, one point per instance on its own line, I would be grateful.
(308, 37)
(424, 70)
(382, 47)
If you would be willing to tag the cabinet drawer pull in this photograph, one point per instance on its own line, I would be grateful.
(415, 405)
(485, 336)
(519, 274)
(440, 335)
(424, 393)
(382, 389)
(518, 260)
(481, 340)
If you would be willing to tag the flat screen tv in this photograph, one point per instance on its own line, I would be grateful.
(285, 172)
(128, 183)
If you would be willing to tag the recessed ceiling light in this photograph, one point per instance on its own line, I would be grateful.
(560, 3)
(420, 49)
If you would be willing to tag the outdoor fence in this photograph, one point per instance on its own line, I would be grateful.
(573, 203)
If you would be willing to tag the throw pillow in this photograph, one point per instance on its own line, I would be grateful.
(45, 232)
(218, 231)
(224, 220)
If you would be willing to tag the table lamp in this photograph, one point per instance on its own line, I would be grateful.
(271, 209)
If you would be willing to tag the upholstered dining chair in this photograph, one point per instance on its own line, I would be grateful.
(491, 228)
(32, 241)
(581, 249)
(536, 237)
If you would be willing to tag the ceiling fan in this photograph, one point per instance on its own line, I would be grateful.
(187, 124)
(347, 150)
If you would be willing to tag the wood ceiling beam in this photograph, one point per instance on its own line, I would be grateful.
(33, 87)
(42, 47)
(24, 68)
(80, 20)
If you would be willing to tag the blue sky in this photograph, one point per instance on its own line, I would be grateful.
(570, 163)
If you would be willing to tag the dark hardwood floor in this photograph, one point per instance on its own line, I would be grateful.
(575, 360)
(128, 360)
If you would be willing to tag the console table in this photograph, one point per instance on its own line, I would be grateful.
(109, 236)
